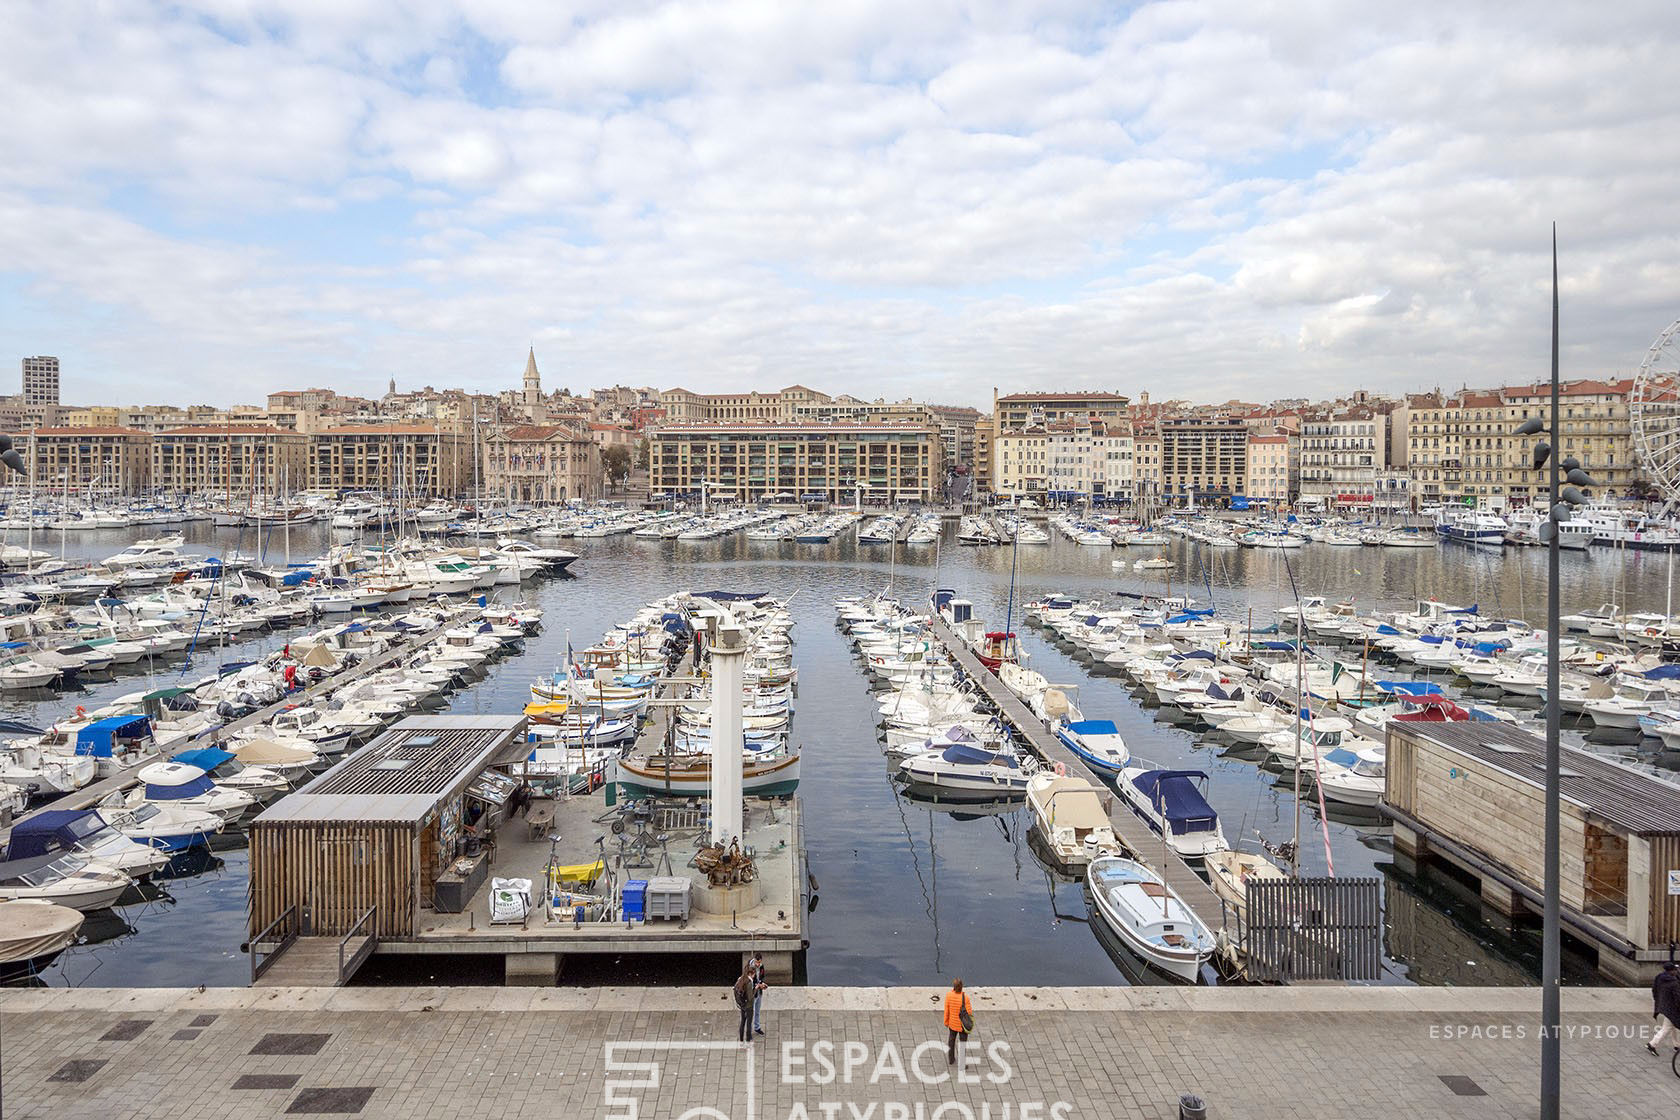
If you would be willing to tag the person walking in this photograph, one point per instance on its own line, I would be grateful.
(1665, 1007)
(758, 992)
(746, 992)
(959, 1019)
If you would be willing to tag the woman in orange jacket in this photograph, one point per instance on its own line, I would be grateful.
(956, 1006)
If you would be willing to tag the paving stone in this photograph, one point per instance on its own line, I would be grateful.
(126, 1030)
(75, 1072)
(337, 1101)
(290, 1044)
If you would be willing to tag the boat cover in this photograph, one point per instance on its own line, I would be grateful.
(965, 755)
(205, 758)
(30, 929)
(1176, 797)
(51, 830)
(97, 738)
(1094, 727)
(1409, 688)
(266, 752)
(191, 788)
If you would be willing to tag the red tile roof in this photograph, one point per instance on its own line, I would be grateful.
(74, 431)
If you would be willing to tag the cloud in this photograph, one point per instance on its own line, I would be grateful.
(1204, 197)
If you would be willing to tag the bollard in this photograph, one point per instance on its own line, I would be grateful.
(1191, 1107)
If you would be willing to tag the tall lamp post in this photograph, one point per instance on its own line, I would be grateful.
(1563, 494)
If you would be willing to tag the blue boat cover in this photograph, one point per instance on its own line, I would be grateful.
(1663, 673)
(973, 756)
(1194, 655)
(294, 578)
(191, 788)
(1176, 798)
(205, 758)
(1387, 630)
(1094, 727)
(51, 830)
(95, 739)
(1471, 609)
(1409, 688)
(1488, 649)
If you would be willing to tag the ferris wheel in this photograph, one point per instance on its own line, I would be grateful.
(1654, 413)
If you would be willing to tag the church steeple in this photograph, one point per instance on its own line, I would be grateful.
(534, 411)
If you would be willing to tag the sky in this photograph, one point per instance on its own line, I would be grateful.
(209, 200)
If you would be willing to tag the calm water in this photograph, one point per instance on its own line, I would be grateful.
(911, 892)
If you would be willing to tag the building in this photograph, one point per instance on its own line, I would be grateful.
(1021, 463)
(1146, 463)
(1269, 474)
(111, 459)
(1026, 472)
(228, 461)
(1018, 410)
(1596, 428)
(542, 463)
(957, 427)
(1203, 459)
(1340, 457)
(813, 462)
(1474, 796)
(413, 460)
(40, 380)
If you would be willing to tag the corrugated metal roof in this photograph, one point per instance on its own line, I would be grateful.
(1606, 789)
(403, 774)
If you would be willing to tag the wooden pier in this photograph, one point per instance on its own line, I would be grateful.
(1128, 826)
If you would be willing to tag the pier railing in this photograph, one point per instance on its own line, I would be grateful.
(366, 928)
(274, 939)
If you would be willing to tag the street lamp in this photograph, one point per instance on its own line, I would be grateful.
(1563, 495)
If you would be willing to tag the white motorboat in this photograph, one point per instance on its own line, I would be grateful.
(1148, 917)
(172, 828)
(965, 768)
(1360, 784)
(1230, 871)
(1632, 699)
(1070, 817)
(1097, 741)
(1317, 736)
(85, 833)
(65, 878)
(1173, 805)
(176, 783)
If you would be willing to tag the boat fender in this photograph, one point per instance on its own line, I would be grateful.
(1061, 770)
(80, 711)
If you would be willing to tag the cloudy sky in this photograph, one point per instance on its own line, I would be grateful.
(211, 199)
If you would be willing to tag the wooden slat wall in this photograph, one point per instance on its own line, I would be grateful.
(1400, 770)
(1665, 907)
(1479, 807)
(337, 871)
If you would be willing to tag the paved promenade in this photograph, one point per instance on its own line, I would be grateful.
(835, 1053)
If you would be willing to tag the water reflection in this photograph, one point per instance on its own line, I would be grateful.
(916, 891)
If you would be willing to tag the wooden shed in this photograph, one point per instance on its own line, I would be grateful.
(1473, 793)
(377, 830)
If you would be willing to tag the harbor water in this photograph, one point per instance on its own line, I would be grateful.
(911, 892)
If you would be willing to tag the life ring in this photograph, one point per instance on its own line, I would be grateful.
(1061, 770)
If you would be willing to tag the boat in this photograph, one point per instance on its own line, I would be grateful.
(690, 775)
(171, 828)
(85, 833)
(33, 932)
(1473, 527)
(1068, 812)
(1230, 871)
(177, 783)
(1172, 803)
(997, 648)
(964, 768)
(1138, 907)
(1097, 741)
(65, 878)
(1360, 784)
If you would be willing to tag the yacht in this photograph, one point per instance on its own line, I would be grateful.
(1173, 804)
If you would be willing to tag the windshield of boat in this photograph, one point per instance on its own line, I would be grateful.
(52, 872)
(1369, 767)
(228, 769)
(143, 812)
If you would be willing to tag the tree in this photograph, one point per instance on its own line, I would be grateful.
(615, 463)
(644, 454)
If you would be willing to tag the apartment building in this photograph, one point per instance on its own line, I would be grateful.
(827, 462)
(416, 460)
(1021, 463)
(542, 463)
(1146, 463)
(40, 380)
(1340, 457)
(111, 459)
(225, 460)
(1269, 468)
(1203, 458)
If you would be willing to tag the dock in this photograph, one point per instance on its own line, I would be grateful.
(94, 792)
(1131, 830)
